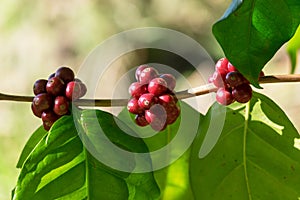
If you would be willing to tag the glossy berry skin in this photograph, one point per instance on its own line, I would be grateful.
(218, 80)
(156, 116)
(40, 86)
(147, 75)
(133, 107)
(157, 86)
(61, 105)
(42, 102)
(35, 111)
(235, 79)
(221, 67)
(166, 99)
(147, 100)
(139, 70)
(48, 118)
(224, 97)
(170, 80)
(173, 113)
(136, 89)
(75, 90)
(242, 93)
(55, 86)
(231, 68)
(141, 120)
(51, 76)
(65, 73)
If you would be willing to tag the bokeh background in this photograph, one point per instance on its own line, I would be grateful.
(38, 36)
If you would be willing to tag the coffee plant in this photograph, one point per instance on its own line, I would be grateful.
(254, 157)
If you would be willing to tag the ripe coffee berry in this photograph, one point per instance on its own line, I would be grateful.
(61, 105)
(65, 73)
(141, 120)
(156, 116)
(242, 93)
(48, 118)
(147, 100)
(75, 90)
(55, 86)
(139, 71)
(157, 86)
(40, 86)
(42, 102)
(136, 89)
(235, 79)
(134, 107)
(147, 75)
(170, 80)
(224, 96)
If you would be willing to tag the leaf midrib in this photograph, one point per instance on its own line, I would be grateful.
(246, 123)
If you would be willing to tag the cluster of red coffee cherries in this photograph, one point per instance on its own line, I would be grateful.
(232, 85)
(153, 100)
(53, 96)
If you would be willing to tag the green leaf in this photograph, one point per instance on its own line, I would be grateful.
(173, 180)
(254, 158)
(35, 138)
(292, 49)
(60, 167)
(251, 34)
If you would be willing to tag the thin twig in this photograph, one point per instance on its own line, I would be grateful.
(201, 90)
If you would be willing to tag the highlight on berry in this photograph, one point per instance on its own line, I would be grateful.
(53, 96)
(153, 99)
(232, 85)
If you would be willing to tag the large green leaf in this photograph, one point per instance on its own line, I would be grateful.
(60, 167)
(251, 34)
(254, 158)
(173, 179)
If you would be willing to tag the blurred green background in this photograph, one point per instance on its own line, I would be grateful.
(38, 36)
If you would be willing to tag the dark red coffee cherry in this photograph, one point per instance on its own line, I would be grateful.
(55, 86)
(42, 102)
(170, 80)
(242, 93)
(133, 107)
(36, 111)
(157, 86)
(61, 105)
(136, 89)
(75, 90)
(221, 67)
(65, 73)
(141, 120)
(235, 79)
(173, 113)
(156, 116)
(147, 100)
(139, 70)
(40, 86)
(48, 118)
(224, 97)
(147, 75)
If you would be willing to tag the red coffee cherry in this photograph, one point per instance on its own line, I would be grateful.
(141, 120)
(61, 105)
(147, 100)
(147, 75)
(55, 86)
(65, 73)
(136, 89)
(157, 86)
(224, 97)
(242, 93)
(133, 107)
(170, 80)
(40, 86)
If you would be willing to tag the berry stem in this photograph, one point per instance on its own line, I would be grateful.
(201, 90)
